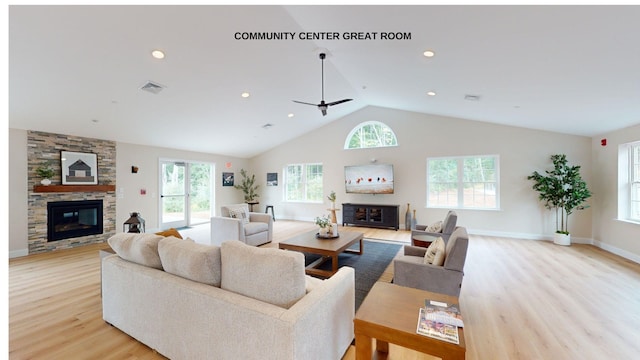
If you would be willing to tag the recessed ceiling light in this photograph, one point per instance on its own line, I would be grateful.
(245, 94)
(429, 53)
(290, 115)
(158, 54)
(431, 93)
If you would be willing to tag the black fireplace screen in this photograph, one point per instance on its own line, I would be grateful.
(69, 219)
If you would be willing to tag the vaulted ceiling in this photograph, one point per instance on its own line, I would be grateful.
(79, 69)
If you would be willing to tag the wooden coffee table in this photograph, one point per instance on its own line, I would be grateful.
(328, 249)
(389, 314)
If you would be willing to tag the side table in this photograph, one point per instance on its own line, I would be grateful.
(390, 312)
(333, 215)
(422, 240)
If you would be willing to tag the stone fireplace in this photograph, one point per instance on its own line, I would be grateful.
(44, 146)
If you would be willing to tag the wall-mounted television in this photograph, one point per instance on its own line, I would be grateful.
(369, 179)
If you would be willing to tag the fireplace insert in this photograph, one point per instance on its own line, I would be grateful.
(69, 219)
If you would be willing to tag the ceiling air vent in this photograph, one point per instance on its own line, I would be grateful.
(152, 87)
(469, 97)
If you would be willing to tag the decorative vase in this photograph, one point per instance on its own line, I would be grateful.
(562, 239)
(407, 218)
(45, 182)
(324, 231)
(334, 229)
(413, 220)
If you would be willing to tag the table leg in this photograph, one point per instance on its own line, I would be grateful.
(334, 263)
(363, 347)
(382, 346)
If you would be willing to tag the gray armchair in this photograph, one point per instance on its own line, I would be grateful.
(411, 271)
(448, 226)
(258, 231)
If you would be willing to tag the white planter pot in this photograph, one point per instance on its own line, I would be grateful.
(562, 239)
(45, 182)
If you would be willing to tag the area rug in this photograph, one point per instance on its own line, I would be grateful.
(368, 267)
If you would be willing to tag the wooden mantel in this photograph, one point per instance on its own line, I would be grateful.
(73, 188)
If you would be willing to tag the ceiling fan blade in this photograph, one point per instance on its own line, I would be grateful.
(338, 102)
(306, 103)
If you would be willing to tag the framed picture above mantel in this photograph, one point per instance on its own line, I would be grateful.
(79, 168)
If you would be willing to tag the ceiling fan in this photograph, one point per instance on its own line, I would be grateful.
(323, 105)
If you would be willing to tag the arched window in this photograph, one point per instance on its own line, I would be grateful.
(370, 134)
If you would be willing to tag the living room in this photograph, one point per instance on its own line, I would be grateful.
(421, 135)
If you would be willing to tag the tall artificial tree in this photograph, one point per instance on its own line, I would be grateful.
(561, 189)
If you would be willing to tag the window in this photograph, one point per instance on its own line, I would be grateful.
(370, 134)
(629, 181)
(303, 182)
(463, 182)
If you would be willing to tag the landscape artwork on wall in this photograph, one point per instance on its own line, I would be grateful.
(227, 179)
(79, 168)
(272, 179)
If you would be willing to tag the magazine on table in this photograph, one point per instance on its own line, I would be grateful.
(443, 312)
(437, 330)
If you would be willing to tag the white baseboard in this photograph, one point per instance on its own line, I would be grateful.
(620, 252)
(18, 253)
(576, 240)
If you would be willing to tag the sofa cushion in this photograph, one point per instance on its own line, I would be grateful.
(435, 253)
(255, 227)
(138, 248)
(190, 260)
(266, 274)
(170, 232)
(436, 227)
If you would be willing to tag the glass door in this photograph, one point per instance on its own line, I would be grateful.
(186, 193)
(173, 194)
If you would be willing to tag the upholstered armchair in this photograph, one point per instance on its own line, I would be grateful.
(237, 223)
(448, 226)
(410, 269)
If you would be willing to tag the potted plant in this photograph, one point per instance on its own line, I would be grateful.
(563, 190)
(332, 198)
(248, 186)
(45, 171)
(324, 223)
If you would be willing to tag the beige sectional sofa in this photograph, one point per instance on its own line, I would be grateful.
(195, 301)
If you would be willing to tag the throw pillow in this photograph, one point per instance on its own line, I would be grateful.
(270, 275)
(170, 232)
(138, 248)
(239, 214)
(436, 227)
(190, 260)
(435, 253)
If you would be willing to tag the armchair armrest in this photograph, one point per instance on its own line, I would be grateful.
(444, 237)
(225, 229)
(414, 250)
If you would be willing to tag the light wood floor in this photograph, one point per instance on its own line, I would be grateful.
(521, 299)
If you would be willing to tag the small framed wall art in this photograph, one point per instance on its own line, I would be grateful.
(227, 179)
(79, 168)
(272, 179)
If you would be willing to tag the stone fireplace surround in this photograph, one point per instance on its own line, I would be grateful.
(42, 146)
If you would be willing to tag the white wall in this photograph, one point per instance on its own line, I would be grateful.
(18, 193)
(420, 136)
(617, 236)
(147, 159)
